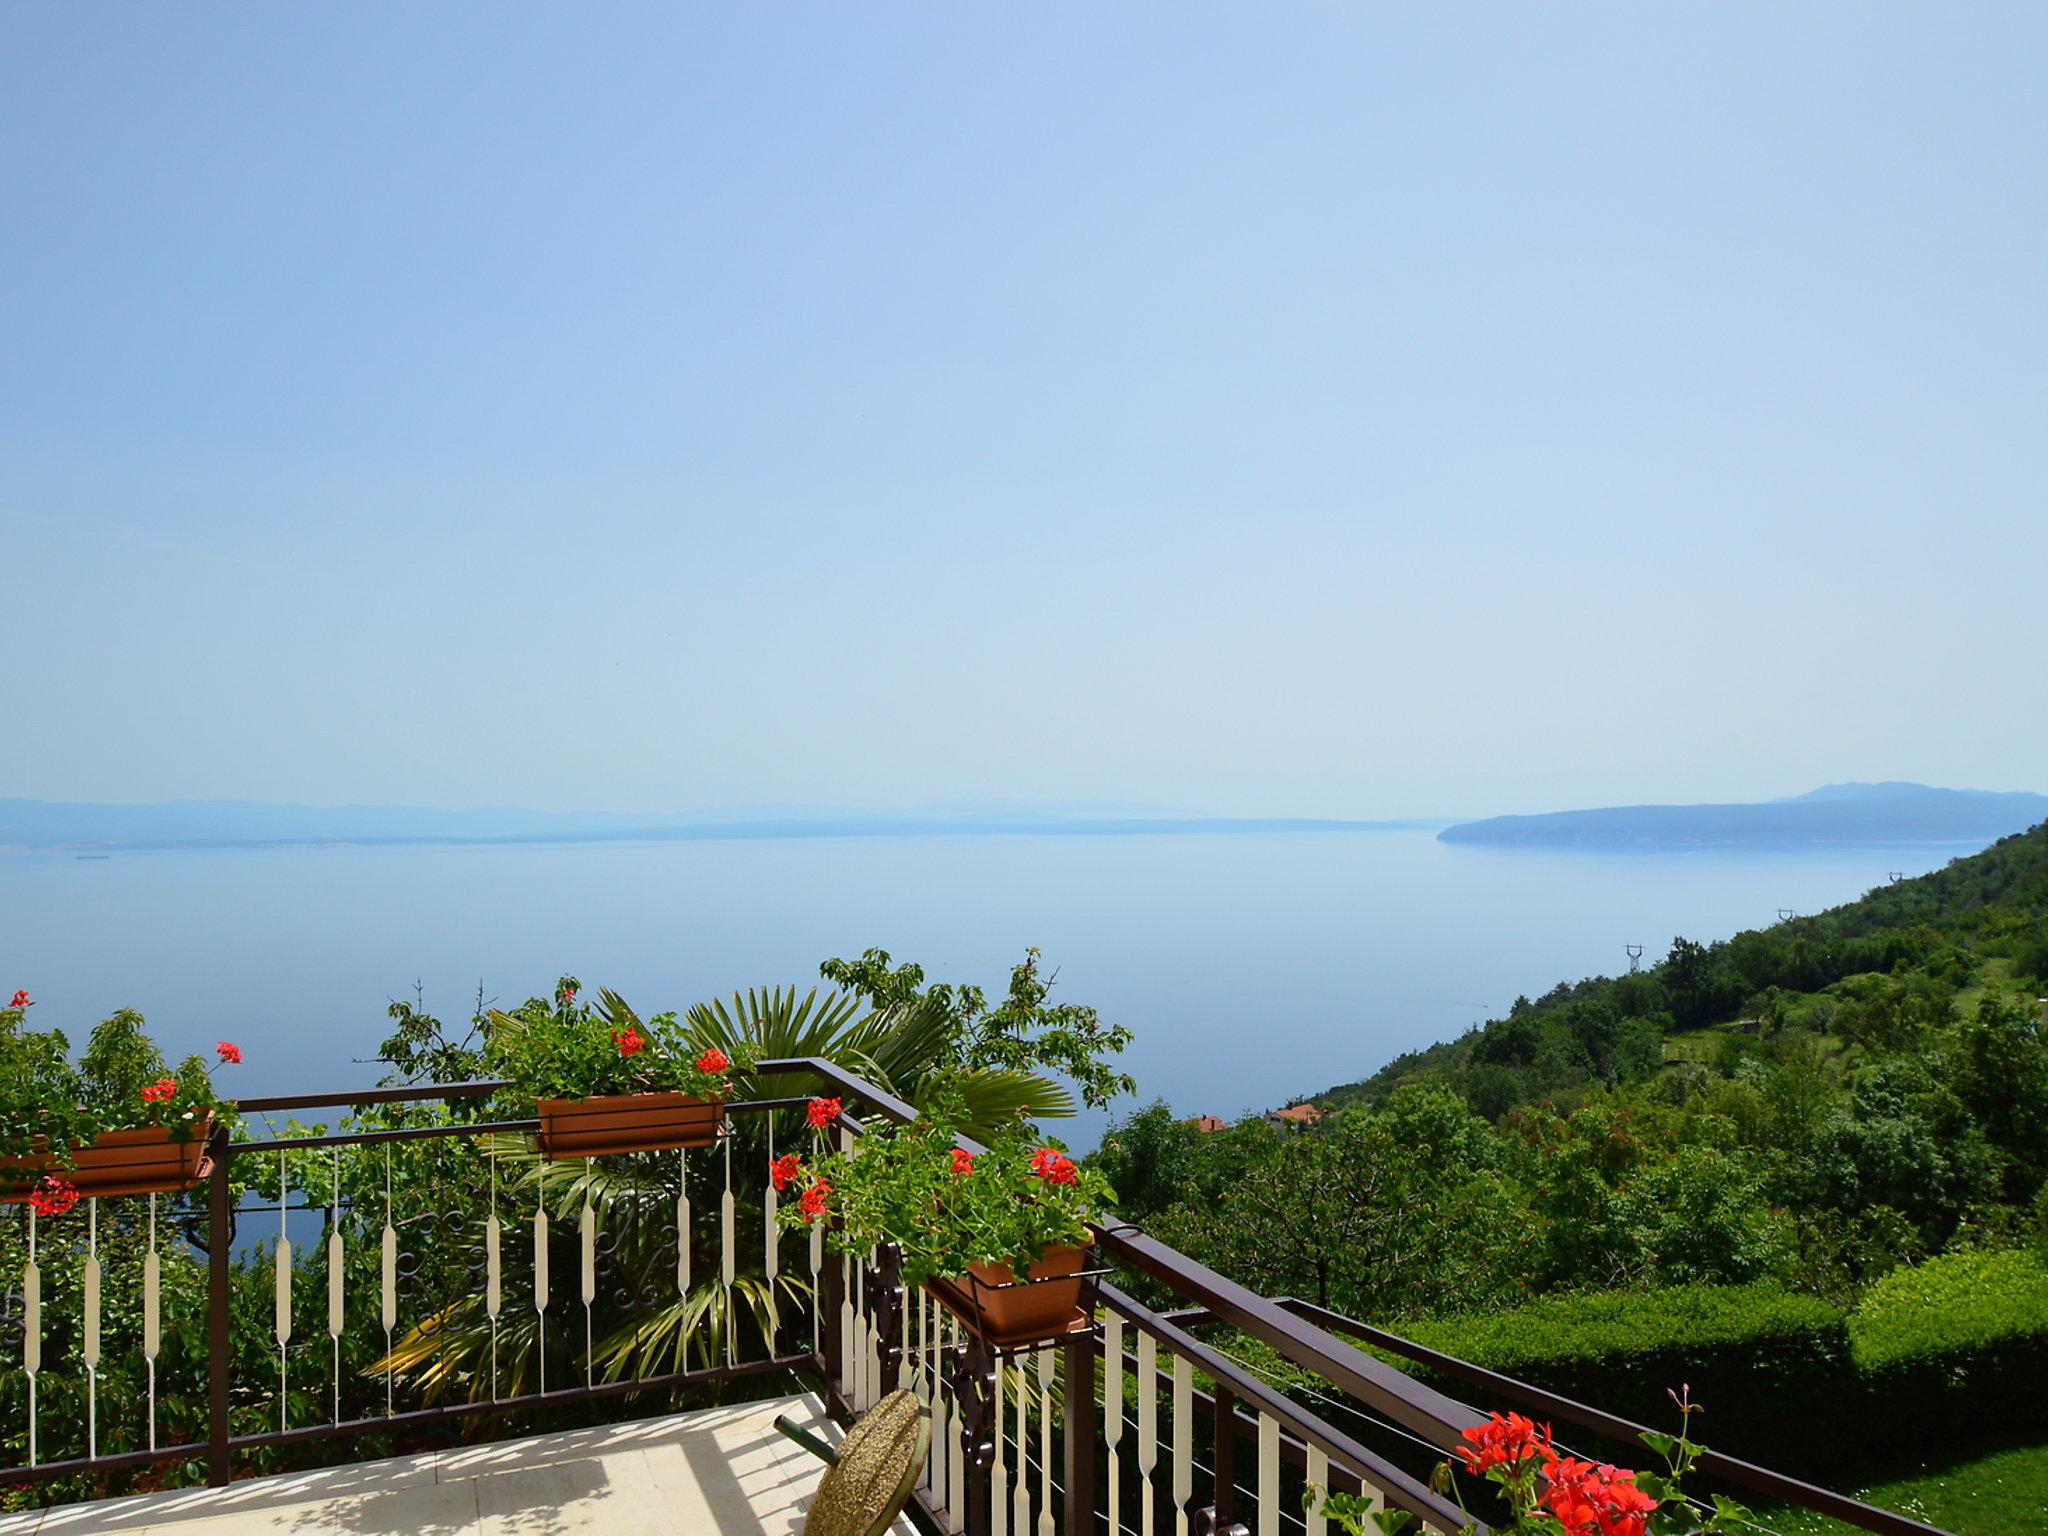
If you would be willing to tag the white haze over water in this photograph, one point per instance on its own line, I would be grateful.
(1252, 967)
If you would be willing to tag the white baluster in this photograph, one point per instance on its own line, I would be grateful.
(1113, 1412)
(1020, 1378)
(848, 1352)
(1318, 1473)
(587, 1244)
(998, 1477)
(1045, 1360)
(874, 1340)
(335, 1253)
(771, 1232)
(152, 1316)
(817, 1257)
(1148, 1430)
(540, 1280)
(32, 1328)
(1269, 1475)
(956, 1461)
(494, 1269)
(92, 1328)
(390, 1278)
(1183, 1442)
(282, 1301)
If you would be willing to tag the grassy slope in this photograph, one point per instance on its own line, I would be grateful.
(2003, 1494)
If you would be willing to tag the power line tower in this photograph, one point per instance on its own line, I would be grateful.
(1897, 876)
(1786, 914)
(1635, 958)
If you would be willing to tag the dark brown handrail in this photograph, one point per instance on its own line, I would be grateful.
(1730, 1469)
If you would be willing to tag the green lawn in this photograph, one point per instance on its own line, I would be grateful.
(2005, 1494)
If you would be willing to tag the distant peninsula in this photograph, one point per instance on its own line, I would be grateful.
(88, 829)
(1837, 813)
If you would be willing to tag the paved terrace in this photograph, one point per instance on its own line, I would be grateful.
(722, 1469)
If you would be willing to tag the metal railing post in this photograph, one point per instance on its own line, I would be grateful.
(220, 1222)
(885, 1295)
(1081, 1430)
(1224, 1423)
(832, 1365)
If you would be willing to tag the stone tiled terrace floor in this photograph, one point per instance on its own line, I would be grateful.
(723, 1470)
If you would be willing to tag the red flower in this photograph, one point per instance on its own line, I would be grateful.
(228, 1051)
(1591, 1500)
(963, 1163)
(163, 1088)
(822, 1112)
(713, 1060)
(1052, 1165)
(53, 1196)
(567, 994)
(783, 1169)
(21, 1000)
(629, 1041)
(1505, 1442)
(812, 1201)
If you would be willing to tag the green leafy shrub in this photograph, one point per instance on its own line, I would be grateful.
(121, 1082)
(561, 1048)
(946, 1209)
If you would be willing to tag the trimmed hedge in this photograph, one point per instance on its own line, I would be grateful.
(1964, 1334)
(1764, 1362)
(1950, 1353)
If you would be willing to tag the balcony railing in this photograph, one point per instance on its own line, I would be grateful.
(431, 1316)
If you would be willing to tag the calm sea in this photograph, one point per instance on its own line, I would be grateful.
(1251, 966)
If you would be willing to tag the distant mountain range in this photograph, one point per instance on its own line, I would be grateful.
(1837, 813)
(50, 825)
(1840, 813)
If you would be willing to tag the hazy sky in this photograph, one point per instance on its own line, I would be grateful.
(1324, 410)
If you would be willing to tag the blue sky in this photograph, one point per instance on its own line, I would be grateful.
(1320, 410)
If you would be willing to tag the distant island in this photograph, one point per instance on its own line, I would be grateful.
(89, 830)
(1837, 813)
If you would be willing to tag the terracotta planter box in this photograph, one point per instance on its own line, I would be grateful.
(632, 1122)
(138, 1162)
(1012, 1316)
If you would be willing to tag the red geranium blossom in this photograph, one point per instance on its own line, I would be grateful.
(822, 1112)
(1591, 1500)
(1052, 1165)
(1505, 1442)
(53, 1196)
(228, 1051)
(629, 1041)
(21, 1000)
(713, 1060)
(963, 1163)
(812, 1201)
(163, 1088)
(783, 1169)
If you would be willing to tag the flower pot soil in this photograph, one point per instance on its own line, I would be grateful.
(139, 1162)
(1011, 1316)
(633, 1122)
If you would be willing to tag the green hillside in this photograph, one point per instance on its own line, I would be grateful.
(1736, 1159)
